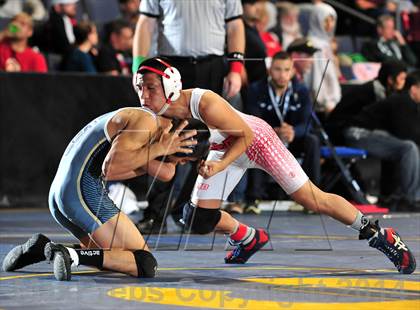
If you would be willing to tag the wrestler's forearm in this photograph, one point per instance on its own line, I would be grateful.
(161, 170)
(237, 148)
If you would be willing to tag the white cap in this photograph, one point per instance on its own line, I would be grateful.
(54, 2)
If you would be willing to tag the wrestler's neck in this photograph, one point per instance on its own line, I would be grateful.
(180, 108)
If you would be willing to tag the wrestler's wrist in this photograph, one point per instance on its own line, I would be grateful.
(223, 163)
(236, 62)
(157, 150)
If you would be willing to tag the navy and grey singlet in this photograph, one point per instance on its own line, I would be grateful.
(78, 198)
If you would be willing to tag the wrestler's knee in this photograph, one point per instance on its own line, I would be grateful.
(312, 198)
(200, 220)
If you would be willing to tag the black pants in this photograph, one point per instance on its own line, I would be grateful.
(310, 147)
(203, 72)
(158, 200)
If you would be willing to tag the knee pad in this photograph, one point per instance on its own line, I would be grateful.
(199, 220)
(146, 264)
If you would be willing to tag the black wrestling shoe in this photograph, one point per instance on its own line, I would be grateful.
(178, 220)
(61, 260)
(389, 242)
(31, 252)
(242, 253)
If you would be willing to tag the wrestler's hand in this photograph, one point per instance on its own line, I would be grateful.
(176, 141)
(209, 168)
(232, 84)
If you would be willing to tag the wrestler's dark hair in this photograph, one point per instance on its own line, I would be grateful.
(154, 63)
(202, 148)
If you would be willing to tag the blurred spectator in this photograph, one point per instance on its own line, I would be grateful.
(321, 32)
(271, 10)
(288, 27)
(255, 49)
(372, 8)
(411, 27)
(57, 34)
(113, 57)
(80, 57)
(33, 8)
(263, 23)
(390, 130)
(15, 53)
(338, 62)
(302, 50)
(390, 44)
(129, 10)
(390, 79)
(395, 7)
(285, 103)
(389, 142)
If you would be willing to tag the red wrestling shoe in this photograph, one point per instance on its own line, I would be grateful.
(242, 253)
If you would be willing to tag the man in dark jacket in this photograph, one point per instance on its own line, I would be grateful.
(59, 27)
(390, 130)
(390, 44)
(391, 78)
(113, 57)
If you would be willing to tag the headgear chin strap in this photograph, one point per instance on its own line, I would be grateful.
(163, 110)
(171, 82)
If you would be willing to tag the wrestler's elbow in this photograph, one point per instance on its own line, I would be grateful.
(108, 175)
(166, 175)
(108, 171)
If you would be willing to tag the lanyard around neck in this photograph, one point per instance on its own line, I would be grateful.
(276, 101)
